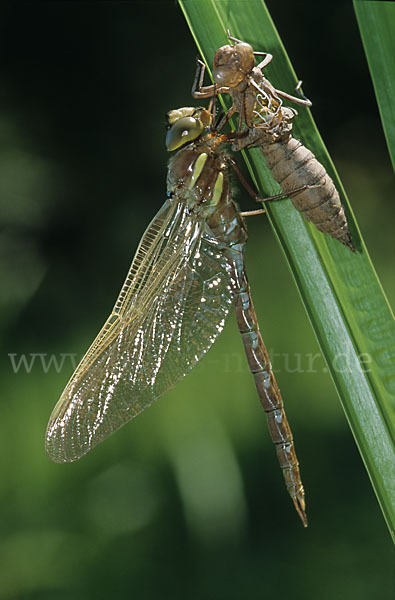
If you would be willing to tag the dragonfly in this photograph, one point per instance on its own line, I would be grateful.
(187, 275)
(269, 126)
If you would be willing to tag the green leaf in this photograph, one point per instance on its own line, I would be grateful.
(340, 290)
(376, 22)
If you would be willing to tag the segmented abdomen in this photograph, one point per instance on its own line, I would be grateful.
(269, 394)
(294, 166)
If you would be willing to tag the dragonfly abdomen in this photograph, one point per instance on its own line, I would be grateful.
(294, 166)
(268, 391)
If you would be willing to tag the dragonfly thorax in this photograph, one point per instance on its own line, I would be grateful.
(199, 177)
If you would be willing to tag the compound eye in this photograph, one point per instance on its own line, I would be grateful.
(183, 131)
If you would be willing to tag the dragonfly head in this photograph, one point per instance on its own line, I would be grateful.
(186, 125)
(232, 63)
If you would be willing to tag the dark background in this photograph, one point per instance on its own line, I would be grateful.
(188, 501)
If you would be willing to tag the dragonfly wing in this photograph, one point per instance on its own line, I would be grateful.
(170, 310)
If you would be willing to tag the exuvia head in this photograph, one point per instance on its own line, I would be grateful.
(232, 63)
(186, 125)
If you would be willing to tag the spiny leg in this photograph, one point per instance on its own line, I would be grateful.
(253, 213)
(302, 100)
(253, 193)
(289, 193)
(201, 91)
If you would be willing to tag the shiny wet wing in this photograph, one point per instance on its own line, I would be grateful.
(170, 310)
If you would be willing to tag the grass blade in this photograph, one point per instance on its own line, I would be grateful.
(376, 22)
(341, 293)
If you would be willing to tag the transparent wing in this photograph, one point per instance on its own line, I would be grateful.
(170, 310)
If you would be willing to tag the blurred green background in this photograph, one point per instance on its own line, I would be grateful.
(188, 501)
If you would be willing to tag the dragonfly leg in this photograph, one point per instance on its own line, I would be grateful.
(201, 91)
(226, 118)
(268, 58)
(243, 180)
(301, 94)
(301, 100)
(256, 197)
(290, 193)
(252, 213)
(252, 192)
(231, 38)
(212, 107)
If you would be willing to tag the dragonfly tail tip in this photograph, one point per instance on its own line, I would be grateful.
(299, 504)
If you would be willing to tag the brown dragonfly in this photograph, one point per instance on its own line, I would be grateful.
(187, 274)
(269, 126)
